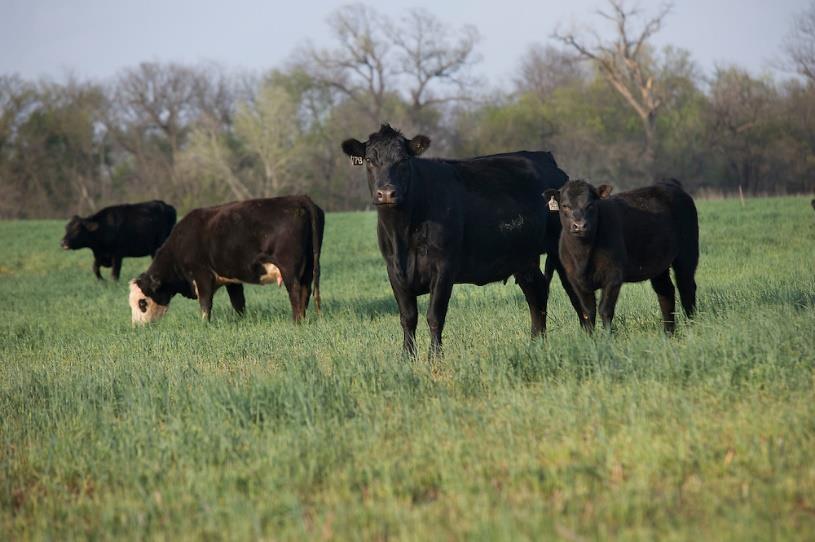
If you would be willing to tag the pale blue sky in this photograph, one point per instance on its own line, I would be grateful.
(94, 38)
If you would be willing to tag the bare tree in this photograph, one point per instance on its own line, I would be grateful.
(544, 69)
(206, 159)
(799, 44)
(741, 109)
(429, 54)
(358, 67)
(624, 62)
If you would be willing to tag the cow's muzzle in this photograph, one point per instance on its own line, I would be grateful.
(386, 196)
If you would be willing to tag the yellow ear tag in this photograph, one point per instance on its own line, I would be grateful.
(553, 204)
(357, 160)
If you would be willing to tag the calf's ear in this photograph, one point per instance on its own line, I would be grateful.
(604, 190)
(354, 149)
(91, 225)
(418, 144)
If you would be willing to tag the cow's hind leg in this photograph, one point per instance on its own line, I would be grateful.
(686, 284)
(667, 299)
(294, 289)
(536, 291)
(236, 297)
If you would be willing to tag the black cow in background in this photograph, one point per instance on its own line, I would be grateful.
(445, 222)
(631, 237)
(120, 231)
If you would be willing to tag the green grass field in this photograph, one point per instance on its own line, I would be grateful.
(257, 428)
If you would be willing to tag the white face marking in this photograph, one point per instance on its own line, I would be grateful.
(153, 311)
(272, 274)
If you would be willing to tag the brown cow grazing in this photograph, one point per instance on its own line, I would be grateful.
(630, 237)
(257, 241)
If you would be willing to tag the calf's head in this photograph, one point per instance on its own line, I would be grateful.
(148, 302)
(577, 204)
(386, 157)
(78, 233)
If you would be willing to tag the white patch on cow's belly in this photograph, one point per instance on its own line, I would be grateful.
(272, 274)
(224, 280)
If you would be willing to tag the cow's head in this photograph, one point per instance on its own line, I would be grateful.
(148, 299)
(385, 156)
(78, 233)
(577, 204)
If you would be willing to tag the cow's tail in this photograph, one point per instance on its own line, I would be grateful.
(317, 229)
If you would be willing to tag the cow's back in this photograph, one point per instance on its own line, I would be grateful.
(658, 222)
(497, 205)
(233, 237)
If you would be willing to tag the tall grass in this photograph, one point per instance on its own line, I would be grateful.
(257, 428)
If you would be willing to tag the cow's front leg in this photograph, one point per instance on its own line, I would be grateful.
(589, 306)
(205, 290)
(608, 300)
(441, 287)
(408, 316)
(117, 267)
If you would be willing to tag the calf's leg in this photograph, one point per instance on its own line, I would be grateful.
(236, 297)
(667, 299)
(574, 298)
(608, 301)
(588, 305)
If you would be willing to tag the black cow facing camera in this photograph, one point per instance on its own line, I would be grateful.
(120, 231)
(446, 222)
(260, 241)
(633, 236)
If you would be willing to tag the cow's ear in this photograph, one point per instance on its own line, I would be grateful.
(418, 144)
(355, 149)
(90, 225)
(604, 190)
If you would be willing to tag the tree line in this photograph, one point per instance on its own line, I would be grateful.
(610, 105)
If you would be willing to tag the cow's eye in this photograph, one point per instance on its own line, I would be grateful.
(143, 305)
(368, 161)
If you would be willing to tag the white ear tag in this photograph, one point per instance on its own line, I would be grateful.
(357, 160)
(553, 204)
